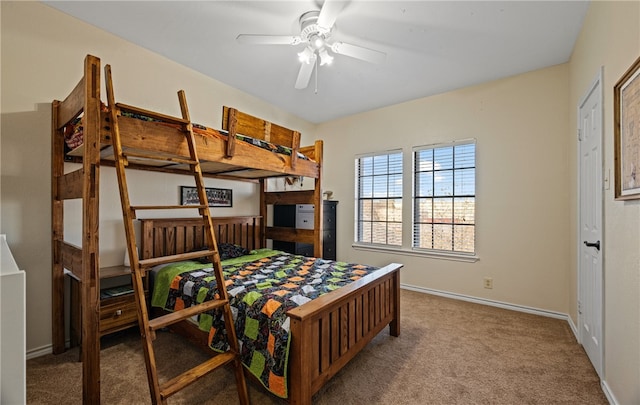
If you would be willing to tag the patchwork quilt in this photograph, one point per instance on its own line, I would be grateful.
(262, 287)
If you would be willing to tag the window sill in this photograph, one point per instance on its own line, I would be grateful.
(417, 252)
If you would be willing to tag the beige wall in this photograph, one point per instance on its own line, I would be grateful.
(610, 38)
(42, 59)
(520, 124)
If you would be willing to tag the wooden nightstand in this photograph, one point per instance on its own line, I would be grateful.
(117, 303)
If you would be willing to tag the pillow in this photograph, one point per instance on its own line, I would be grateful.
(205, 259)
(226, 250)
(229, 251)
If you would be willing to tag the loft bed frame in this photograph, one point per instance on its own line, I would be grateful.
(221, 156)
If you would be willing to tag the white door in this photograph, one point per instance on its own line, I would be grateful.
(590, 280)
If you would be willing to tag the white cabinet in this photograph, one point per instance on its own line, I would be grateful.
(304, 216)
(12, 329)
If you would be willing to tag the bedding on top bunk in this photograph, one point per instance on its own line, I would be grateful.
(73, 134)
(262, 287)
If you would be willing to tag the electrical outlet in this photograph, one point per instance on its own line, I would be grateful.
(488, 282)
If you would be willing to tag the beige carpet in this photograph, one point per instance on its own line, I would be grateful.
(448, 352)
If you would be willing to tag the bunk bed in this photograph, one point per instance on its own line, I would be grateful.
(325, 333)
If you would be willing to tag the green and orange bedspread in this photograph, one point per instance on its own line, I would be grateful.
(262, 287)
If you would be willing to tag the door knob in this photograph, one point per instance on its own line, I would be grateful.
(595, 245)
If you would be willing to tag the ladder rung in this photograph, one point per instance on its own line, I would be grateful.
(163, 158)
(177, 383)
(146, 263)
(177, 316)
(166, 207)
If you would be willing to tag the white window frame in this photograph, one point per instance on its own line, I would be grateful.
(408, 178)
(358, 198)
(414, 198)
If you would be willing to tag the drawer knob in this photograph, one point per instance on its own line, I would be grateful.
(118, 312)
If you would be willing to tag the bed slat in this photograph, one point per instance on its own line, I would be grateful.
(289, 197)
(352, 323)
(70, 185)
(290, 234)
(72, 106)
(335, 335)
(325, 356)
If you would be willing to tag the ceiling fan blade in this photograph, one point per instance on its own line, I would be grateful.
(359, 52)
(268, 39)
(304, 75)
(329, 13)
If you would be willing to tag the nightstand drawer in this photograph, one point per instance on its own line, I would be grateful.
(329, 215)
(117, 313)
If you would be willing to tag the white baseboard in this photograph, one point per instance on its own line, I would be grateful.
(484, 301)
(607, 393)
(44, 350)
(574, 329)
(39, 351)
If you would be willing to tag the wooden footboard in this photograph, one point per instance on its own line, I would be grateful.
(330, 330)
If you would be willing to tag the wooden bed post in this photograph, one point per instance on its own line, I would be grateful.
(263, 212)
(394, 325)
(300, 361)
(83, 262)
(318, 248)
(57, 229)
(231, 120)
(295, 148)
(90, 289)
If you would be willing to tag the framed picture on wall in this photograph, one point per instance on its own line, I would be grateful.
(217, 197)
(626, 111)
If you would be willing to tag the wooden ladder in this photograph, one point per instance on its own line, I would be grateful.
(148, 327)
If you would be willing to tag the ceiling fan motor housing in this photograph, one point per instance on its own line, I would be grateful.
(311, 32)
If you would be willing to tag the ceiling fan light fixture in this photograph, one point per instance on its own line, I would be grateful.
(305, 55)
(316, 41)
(325, 58)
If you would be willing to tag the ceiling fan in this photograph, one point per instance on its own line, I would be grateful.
(315, 34)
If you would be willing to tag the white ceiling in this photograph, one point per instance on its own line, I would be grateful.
(431, 46)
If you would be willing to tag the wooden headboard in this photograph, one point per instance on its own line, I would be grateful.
(167, 236)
